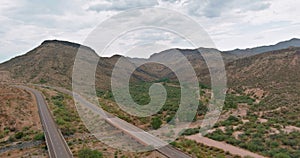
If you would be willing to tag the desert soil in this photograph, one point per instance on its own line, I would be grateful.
(222, 145)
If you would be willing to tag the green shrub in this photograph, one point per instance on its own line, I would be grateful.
(169, 118)
(100, 93)
(163, 80)
(190, 131)
(255, 145)
(156, 122)
(19, 135)
(89, 153)
(217, 135)
(233, 141)
(11, 139)
(58, 103)
(281, 155)
(26, 128)
(231, 100)
(58, 100)
(203, 86)
(59, 97)
(39, 136)
(42, 81)
(231, 120)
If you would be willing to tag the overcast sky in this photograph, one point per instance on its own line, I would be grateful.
(231, 24)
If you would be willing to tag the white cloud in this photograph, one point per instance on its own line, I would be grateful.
(231, 24)
(143, 43)
(216, 8)
(27, 24)
(121, 5)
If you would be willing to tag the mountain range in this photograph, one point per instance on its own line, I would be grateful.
(269, 75)
(52, 63)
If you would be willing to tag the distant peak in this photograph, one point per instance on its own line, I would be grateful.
(116, 56)
(290, 41)
(294, 39)
(61, 42)
(67, 43)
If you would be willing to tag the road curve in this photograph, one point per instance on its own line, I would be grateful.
(136, 133)
(57, 146)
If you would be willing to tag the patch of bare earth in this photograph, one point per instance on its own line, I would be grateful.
(4, 76)
(241, 111)
(222, 145)
(261, 113)
(273, 131)
(289, 129)
(262, 120)
(256, 93)
(18, 109)
(28, 153)
(236, 134)
(18, 114)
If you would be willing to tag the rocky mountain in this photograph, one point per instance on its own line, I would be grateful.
(52, 63)
(262, 84)
(275, 72)
(240, 53)
(263, 69)
(195, 58)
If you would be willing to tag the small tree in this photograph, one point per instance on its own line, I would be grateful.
(281, 155)
(156, 123)
(89, 153)
(39, 136)
(42, 81)
(19, 135)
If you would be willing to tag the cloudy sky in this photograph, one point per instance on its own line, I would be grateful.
(231, 24)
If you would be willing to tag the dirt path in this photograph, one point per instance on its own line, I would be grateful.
(221, 145)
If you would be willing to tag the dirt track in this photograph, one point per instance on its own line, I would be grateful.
(221, 145)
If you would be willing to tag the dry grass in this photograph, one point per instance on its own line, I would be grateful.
(18, 114)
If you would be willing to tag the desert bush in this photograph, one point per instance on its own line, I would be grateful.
(89, 153)
(231, 120)
(43, 81)
(217, 135)
(39, 136)
(232, 100)
(156, 122)
(281, 155)
(19, 135)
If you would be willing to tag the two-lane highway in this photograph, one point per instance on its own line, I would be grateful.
(57, 146)
(136, 133)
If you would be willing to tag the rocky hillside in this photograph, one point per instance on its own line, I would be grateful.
(197, 61)
(277, 73)
(52, 63)
(240, 53)
(271, 67)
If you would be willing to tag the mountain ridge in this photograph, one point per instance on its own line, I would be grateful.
(294, 42)
(57, 57)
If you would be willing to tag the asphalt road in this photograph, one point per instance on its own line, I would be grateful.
(136, 133)
(57, 146)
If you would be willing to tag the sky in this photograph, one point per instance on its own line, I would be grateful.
(230, 24)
